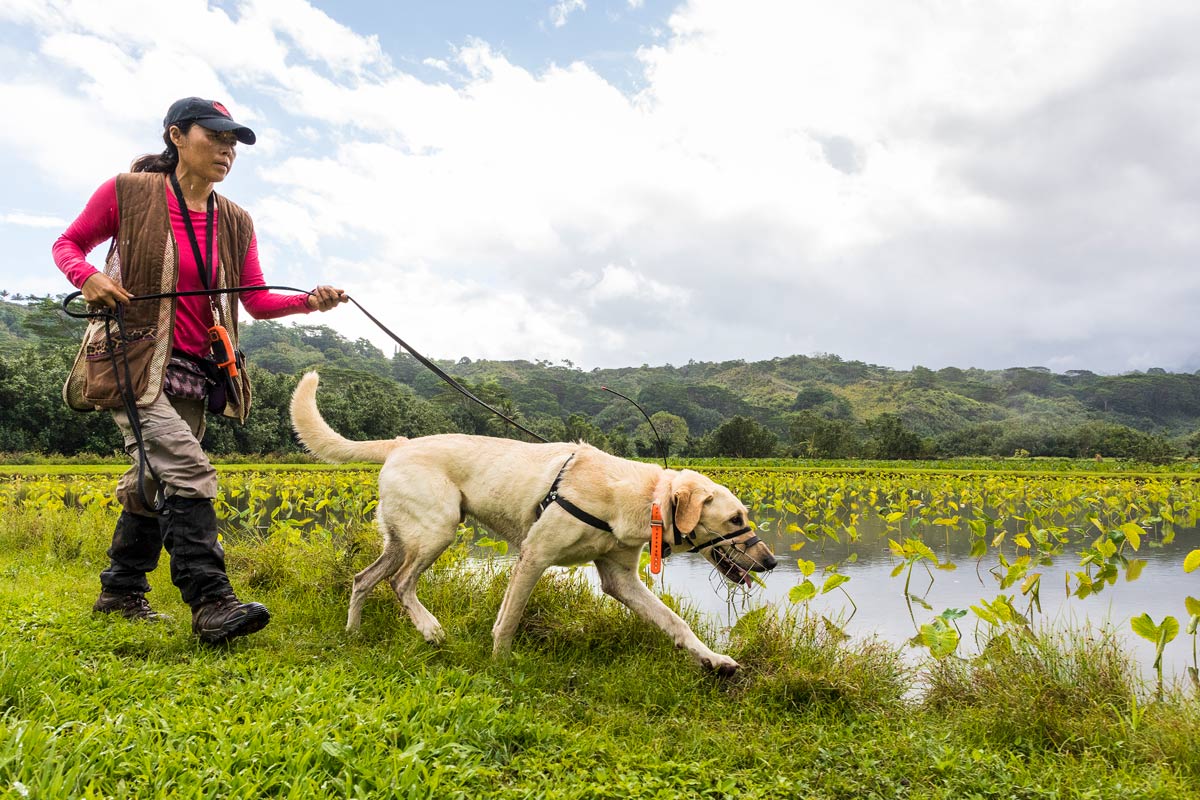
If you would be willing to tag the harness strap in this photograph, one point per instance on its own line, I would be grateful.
(578, 513)
(575, 511)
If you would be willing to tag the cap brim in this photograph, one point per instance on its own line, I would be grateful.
(243, 134)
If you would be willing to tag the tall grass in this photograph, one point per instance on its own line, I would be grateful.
(594, 703)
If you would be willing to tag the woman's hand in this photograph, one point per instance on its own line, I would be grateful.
(324, 298)
(103, 290)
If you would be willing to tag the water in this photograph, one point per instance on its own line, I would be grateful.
(882, 611)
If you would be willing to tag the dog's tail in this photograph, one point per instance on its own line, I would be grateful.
(323, 441)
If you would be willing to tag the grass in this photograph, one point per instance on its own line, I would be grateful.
(594, 703)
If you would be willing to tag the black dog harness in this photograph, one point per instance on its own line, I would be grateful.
(575, 511)
(578, 513)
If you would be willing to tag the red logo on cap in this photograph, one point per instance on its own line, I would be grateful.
(221, 109)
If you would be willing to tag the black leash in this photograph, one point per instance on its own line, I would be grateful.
(432, 367)
(436, 370)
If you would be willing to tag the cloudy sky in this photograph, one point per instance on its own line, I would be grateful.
(619, 182)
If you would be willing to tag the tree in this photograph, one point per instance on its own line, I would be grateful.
(889, 438)
(33, 416)
(580, 429)
(672, 428)
(742, 437)
(814, 436)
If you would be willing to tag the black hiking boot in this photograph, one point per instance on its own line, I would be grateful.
(130, 606)
(226, 617)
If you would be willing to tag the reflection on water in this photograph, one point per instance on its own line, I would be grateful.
(883, 612)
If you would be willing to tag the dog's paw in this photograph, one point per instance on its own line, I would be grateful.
(434, 634)
(722, 665)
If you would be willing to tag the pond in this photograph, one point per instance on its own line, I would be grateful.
(882, 609)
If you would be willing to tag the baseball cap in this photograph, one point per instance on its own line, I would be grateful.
(208, 113)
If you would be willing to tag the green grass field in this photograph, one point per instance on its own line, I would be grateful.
(594, 704)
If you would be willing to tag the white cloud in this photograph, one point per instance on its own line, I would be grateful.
(563, 9)
(621, 283)
(32, 220)
(969, 184)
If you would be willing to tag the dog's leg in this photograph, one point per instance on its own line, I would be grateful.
(404, 584)
(525, 574)
(387, 563)
(620, 581)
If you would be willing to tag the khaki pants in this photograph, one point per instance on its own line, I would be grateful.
(171, 432)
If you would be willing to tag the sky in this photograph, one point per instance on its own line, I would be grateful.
(626, 182)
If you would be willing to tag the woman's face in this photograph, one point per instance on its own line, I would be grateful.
(206, 153)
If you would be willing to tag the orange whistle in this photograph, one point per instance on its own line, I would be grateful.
(223, 352)
(656, 538)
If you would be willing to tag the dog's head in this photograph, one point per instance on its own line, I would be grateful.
(715, 523)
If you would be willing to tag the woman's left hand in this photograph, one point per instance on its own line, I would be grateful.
(324, 298)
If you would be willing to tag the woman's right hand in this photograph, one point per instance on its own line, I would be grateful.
(103, 290)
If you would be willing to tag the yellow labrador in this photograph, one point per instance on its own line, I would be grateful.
(552, 501)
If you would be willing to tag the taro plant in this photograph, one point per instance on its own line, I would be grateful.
(1161, 635)
(914, 551)
(805, 591)
(1193, 608)
(941, 634)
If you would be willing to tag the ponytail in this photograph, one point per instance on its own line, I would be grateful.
(168, 159)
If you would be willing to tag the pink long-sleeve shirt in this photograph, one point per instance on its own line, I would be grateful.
(193, 315)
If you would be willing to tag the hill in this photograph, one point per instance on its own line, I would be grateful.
(803, 405)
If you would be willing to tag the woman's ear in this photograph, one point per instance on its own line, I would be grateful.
(689, 501)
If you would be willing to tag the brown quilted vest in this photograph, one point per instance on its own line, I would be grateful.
(144, 259)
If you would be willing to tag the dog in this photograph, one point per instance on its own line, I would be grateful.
(552, 501)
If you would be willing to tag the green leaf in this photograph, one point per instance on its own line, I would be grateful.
(895, 515)
(939, 637)
(1193, 606)
(802, 593)
(978, 548)
(1144, 627)
(1192, 561)
(986, 615)
(917, 547)
(1168, 630)
(832, 582)
(806, 567)
(1133, 533)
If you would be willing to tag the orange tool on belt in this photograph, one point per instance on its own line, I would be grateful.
(222, 348)
(656, 538)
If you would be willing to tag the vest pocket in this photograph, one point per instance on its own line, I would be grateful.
(103, 385)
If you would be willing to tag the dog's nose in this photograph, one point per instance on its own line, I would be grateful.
(768, 564)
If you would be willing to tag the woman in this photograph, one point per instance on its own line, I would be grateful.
(171, 232)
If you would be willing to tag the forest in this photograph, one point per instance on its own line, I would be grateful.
(798, 406)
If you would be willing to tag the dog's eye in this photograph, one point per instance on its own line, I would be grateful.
(736, 519)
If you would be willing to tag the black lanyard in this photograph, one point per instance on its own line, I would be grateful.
(205, 267)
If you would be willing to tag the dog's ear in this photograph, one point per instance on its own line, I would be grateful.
(689, 501)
